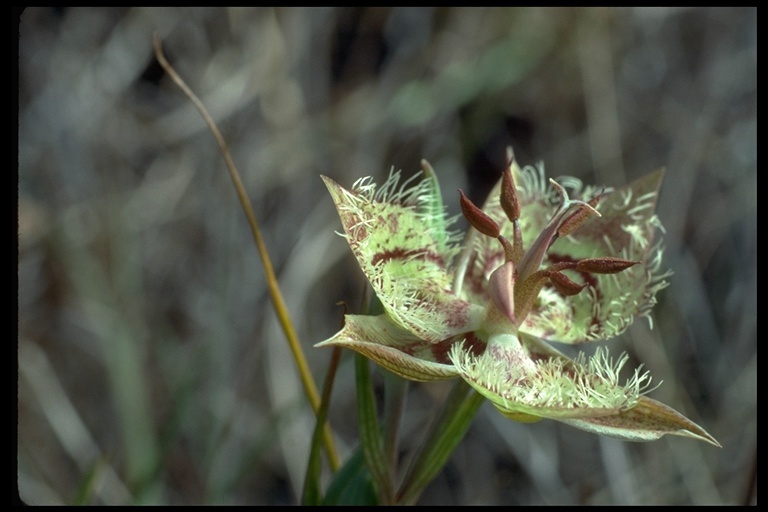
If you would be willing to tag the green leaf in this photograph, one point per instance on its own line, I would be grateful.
(312, 495)
(352, 484)
(370, 435)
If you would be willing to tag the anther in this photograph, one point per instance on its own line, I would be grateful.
(478, 219)
(604, 265)
(579, 217)
(564, 284)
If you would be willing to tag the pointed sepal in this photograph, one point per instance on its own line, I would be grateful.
(394, 348)
(648, 420)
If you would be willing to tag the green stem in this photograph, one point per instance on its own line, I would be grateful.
(395, 393)
(370, 436)
(445, 434)
(312, 495)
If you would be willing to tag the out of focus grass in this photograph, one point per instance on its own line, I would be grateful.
(151, 367)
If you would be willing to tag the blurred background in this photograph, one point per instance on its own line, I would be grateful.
(151, 368)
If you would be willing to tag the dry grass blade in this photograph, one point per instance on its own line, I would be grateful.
(274, 288)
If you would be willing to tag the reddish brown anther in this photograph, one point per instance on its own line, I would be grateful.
(578, 218)
(477, 218)
(511, 206)
(604, 265)
(564, 284)
(508, 196)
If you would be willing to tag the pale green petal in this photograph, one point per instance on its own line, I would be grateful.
(611, 301)
(399, 236)
(522, 376)
(626, 229)
(647, 421)
(397, 350)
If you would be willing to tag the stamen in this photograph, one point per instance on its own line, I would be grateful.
(564, 200)
(604, 265)
(509, 250)
(478, 218)
(579, 217)
(565, 285)
(511, 206)
(508, 198)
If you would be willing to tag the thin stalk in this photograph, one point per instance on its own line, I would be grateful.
(312, 495)
(370, 435)
(274, 289)
(395, 393)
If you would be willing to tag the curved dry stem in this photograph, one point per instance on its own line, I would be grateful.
(272, 284)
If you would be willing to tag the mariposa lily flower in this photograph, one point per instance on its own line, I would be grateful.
(538, 266)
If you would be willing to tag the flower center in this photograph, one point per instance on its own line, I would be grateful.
(516, 283)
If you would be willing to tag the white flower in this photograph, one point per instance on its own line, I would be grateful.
(539, 265)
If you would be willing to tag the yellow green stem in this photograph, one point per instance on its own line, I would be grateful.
(274, 289)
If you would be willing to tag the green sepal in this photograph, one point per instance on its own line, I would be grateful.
(394, 348)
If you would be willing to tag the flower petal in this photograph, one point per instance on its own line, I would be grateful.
(585, 394)
(394, 348)
(612, 301)
(523, 377)
(625, 229)
(400, 238)
(647, 421)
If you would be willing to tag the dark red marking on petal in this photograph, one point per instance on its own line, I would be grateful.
(455, 313)
(399, 253)
(472, 343)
